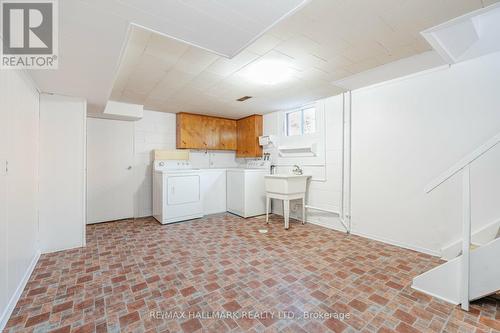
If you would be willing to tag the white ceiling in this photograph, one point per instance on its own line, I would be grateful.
(221, 26)
(166, 75)
(326, 40)
(92, 34)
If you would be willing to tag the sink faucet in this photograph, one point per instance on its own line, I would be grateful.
(297, 170)
(273, 169)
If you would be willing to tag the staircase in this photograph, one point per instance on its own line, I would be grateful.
(475, 272)
(444, 281)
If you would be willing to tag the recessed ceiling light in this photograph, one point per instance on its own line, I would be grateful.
(267, 72)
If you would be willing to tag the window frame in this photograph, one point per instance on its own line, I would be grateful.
(301, 110)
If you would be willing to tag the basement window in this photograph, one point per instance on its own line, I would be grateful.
(300, 122)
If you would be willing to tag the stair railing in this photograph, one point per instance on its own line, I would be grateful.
(465, 165)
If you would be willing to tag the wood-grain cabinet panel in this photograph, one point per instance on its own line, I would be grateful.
(196, 131)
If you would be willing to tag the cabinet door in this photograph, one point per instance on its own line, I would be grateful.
(211, 130)
(190, 132)
(257, 148)
(227, 134)
(249, 129)
(243, 128)
(205, 132)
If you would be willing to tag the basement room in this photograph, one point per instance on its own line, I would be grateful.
(250, 166)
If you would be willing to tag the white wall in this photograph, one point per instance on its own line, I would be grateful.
(156, 130)
(406, 133)
(62, 172)
(325, 188)
(18, 188)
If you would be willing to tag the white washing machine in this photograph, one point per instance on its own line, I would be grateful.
(246, 193)
(176, 191)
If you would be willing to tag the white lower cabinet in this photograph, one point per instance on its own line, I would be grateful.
(213, 189)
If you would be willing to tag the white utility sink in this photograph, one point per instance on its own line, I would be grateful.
(286, 184)
(286, 187)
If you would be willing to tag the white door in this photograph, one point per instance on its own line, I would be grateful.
(183, 189)
(5, 124)
(110, 173)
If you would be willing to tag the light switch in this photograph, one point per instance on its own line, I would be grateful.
(4, 167)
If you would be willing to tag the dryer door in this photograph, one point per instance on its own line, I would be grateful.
(183, 189)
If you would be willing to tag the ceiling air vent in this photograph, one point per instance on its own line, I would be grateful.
(244, 98)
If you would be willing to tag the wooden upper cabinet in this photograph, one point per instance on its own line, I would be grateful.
(248, 131)
(204, 132)
(189, 132)
(196, 131)
(227, 134)
(211, 132)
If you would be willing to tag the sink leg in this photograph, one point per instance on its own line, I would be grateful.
(286, 208)
(268, 203)
(303, 210)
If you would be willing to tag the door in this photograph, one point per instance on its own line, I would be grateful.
(183, 189)
(110, 173)
(5, 124)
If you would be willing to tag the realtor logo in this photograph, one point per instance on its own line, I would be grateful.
(29, 31)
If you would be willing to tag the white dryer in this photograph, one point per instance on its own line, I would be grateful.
(176, 191)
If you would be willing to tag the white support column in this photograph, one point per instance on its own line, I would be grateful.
(466, 236)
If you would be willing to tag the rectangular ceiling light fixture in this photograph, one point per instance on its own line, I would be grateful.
(244, 98)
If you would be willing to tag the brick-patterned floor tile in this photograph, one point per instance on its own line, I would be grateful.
(141, 276)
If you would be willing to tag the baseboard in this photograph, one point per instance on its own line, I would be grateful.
(375, 238)
(17, 294)
(108, 221)
(379, 239)
(433, 253)
(327, 225)
(59, 249)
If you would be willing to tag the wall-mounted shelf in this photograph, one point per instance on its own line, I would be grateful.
(297, 151)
